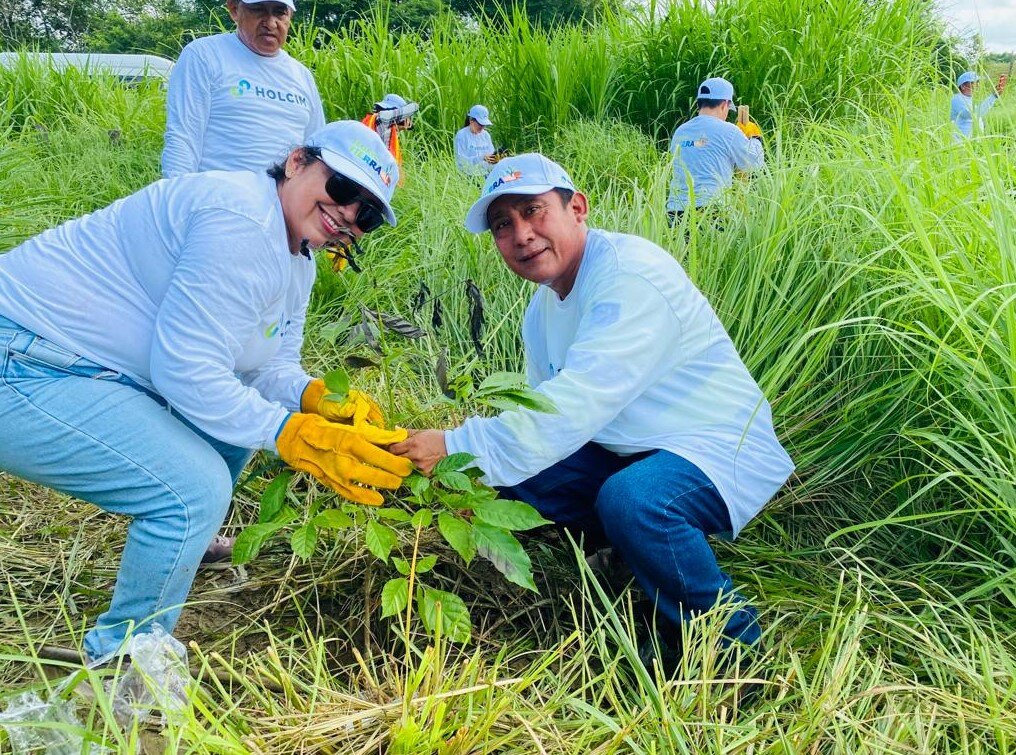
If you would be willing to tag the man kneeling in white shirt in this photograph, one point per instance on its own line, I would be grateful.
(661, 436)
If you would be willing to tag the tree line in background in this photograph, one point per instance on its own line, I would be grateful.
(163, 27)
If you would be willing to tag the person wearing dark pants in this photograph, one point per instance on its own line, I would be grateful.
(661, 436)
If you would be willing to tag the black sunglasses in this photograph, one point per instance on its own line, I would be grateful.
(345, 191)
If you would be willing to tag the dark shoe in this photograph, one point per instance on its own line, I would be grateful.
(220, 549)
(659, 650)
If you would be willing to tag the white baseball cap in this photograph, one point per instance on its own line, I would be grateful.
(716, 88)
(391, 102)
(288, 3)
(480, 114)
(967, 78)
(528, 174)
(357, 152)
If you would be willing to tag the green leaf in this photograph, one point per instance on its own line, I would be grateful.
(249, 542)
(425, 564)
(394, 597)
(506, 553)
(527, 399)
(380, 539)
(452, 463)
(509, 515)
(423, 518)
(273, 497)
(337, 381)
(333, 519)
(447, 608)
(459, 535)
(456, 481)
(500, 381)
(304, 540)
(418, 484)
(402, 566)
(393, 514)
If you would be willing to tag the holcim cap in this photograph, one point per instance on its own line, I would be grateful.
(480, 114)
(966, 78)
(716, 89)
(391, 102)
(357, 152)
(288, 3)
(528, 174)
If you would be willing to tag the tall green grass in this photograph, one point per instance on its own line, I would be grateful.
(867, 276)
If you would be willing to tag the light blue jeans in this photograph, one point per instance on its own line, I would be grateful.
(74, 426)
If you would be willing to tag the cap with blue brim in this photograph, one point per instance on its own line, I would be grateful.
(357, 152)
(717, 88)
(480, 114)
(967, 77)
(391, 102)
(528, 174)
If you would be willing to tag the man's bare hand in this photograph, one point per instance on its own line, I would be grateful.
(424, 448)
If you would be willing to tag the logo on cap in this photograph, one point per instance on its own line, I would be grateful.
(506, 177)
(371, 161)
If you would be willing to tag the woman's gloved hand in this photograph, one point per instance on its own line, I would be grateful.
(750, 129)
(340, 458)
(358, 410)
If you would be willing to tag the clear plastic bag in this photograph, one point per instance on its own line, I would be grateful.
(34, 725)
(155, 678)
(152, 676)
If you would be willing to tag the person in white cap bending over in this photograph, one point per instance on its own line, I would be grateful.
(707, 149)
(661, 437)
(391, 113)
(238, 101)
(474, 149)
(189, 358)
(962, 111)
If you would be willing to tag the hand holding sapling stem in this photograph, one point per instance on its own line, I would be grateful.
(425, 448)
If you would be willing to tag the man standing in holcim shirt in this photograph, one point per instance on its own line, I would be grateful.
(238, 101)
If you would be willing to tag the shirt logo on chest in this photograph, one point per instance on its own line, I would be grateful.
(245, 88)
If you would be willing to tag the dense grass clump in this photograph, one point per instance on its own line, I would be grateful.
(868, 278)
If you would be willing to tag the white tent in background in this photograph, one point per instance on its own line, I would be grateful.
(129, 68)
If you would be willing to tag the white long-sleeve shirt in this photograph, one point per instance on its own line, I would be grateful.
(962, 110)
(229, 108)
(187, 287)
(470, 149)
(706, 152)
(634, 359)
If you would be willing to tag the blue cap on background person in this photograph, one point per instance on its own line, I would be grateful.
(288, 3)
(357, 152)
(531, 174)
(967, 77)
(480, 114)
(717, 88)
(390, 102)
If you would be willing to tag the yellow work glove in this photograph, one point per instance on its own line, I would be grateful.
(359, 411)
(750, 129)
(340, 458)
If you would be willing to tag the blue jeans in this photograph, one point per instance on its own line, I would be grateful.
(657, 510)
(74, 426)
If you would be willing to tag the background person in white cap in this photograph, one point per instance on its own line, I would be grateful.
(189, 357)
(962, 111)
(238, 101)
(707, 149)
(474, 149)
(391, 114)
(661, 436)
